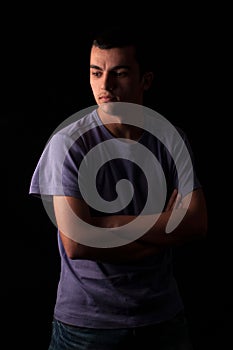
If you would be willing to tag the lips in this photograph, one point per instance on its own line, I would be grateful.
(107, 98)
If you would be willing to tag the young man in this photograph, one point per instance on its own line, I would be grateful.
(117, 288)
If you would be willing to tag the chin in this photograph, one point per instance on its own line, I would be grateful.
(113, 108)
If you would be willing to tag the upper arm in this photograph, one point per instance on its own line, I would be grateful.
(190, 218)
(199, 209)
(70, 212)
(195, 204)
(76, 206)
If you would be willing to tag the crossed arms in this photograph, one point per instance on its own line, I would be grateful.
(190, 213)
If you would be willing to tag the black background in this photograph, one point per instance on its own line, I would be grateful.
(45, 79)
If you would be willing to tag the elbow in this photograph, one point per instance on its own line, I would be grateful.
(73, 249)
(72, 254)
(202, 232)
(201, 227)
(80, 252)
(204, 224)
(196, 225)
(204, 229)
(202, 219)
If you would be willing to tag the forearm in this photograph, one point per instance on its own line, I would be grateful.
(176, 229)
(150, 241)
(121, 238)
(172, 227)
(152, 228)
(85, 237)
(129, 252)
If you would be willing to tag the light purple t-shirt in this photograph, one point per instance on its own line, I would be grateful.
(103, 295)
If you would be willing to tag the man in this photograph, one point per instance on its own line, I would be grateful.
(117, 288)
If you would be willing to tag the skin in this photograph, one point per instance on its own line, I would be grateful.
(115, 77)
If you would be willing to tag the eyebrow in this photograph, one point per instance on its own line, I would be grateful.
(113, 68)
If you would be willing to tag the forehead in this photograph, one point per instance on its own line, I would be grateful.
(109, 58)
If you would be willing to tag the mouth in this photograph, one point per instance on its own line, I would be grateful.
(107, 98)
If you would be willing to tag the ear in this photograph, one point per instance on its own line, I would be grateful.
(147, 80)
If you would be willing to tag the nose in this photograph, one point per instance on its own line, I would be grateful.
(107, 82)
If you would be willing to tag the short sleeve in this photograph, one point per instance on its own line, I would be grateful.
(57, 170)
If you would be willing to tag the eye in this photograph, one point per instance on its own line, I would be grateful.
(120, 74)
(96, 73)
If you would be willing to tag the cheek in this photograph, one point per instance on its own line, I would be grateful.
(94, 84)
(95, 90)
(134, 89)
(93, 87)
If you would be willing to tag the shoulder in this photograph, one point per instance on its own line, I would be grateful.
(76, 125)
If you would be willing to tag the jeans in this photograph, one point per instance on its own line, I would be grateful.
(169, 335)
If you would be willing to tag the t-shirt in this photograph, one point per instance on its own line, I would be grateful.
(115, 177)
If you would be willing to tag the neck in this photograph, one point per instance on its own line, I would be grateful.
(128, 126)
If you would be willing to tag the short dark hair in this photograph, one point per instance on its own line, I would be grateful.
(122, 36)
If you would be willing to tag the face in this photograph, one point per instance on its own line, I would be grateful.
(115, 76)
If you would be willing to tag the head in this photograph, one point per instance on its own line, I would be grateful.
(120, 68)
